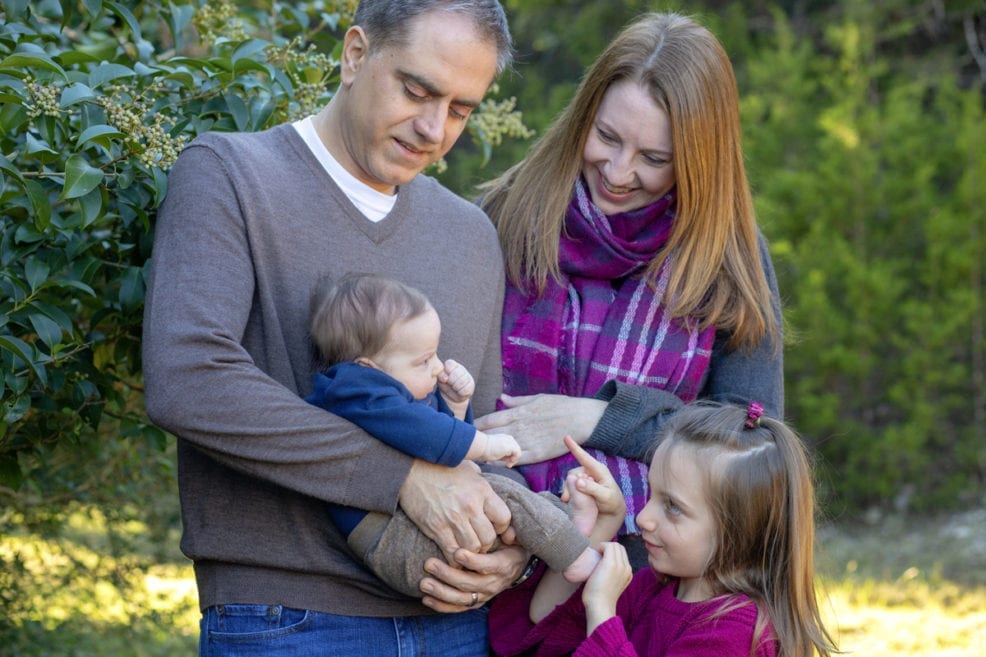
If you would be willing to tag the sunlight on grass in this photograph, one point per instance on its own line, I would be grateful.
(73, 592)
(906, 618)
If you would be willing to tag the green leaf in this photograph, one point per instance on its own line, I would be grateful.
(35, 146)
(127, 17)
(25, 353)
(76, 93)
(160, 186)
(15, 9)
(36, 271)
(178, 17)
(79, 285)
(8, 167)
(93, 7)
(39, 202)
(54, 313)
(80, 177)
(92, 207)
(107, 72)
(132, 288)
(17, 62)
(248, 51)
(48, 330)
(101, 134)
(238, 110)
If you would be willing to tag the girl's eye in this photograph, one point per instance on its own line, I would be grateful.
(672, 508)
(655, 160)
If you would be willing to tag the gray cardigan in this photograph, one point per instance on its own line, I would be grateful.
(634, 414)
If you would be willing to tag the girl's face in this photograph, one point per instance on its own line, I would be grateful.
(677, 525)
(626, 161)
(411, 353)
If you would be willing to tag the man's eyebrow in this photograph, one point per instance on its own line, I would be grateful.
(432, 90)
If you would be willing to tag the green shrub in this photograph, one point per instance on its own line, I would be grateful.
(96, 101)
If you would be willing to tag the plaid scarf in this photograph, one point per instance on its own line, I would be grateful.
(601, 322)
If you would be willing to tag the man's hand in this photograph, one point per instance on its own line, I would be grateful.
(449, 589)
(455, 507)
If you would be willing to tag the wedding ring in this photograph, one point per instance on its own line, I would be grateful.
(475, 600)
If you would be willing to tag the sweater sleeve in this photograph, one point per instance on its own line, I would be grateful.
(608, 640)
(634, 414)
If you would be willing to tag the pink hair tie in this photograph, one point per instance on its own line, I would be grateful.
(753, 413)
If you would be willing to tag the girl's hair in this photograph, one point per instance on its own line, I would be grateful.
(386, 22)
(354, 316)
(717, 275)
(760, 487)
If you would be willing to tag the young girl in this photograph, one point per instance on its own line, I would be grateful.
(729, 531)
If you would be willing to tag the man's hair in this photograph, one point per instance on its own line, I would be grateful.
(354, 316)
(386, 22)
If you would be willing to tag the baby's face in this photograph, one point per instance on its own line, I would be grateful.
(411, 353)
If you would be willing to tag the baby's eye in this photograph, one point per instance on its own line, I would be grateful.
(672, 508)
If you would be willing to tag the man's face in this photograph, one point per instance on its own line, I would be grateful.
(408, 104)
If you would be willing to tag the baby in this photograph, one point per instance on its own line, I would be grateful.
(379, 340)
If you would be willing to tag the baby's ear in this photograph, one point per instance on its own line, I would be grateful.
(366, 362)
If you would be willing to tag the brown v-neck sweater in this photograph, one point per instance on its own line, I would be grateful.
(249, 224)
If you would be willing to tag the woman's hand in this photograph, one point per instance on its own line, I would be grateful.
(539, 422)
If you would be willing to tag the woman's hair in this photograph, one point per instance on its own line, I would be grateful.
(354, 316)
(717, 275)
(760, 487)
(386, 22)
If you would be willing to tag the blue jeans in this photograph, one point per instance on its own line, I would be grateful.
(248, 630)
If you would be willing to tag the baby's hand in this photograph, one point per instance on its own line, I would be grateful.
(498, 447)
(584, 508)
(456, 383)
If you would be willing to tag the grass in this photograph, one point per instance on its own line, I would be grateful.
(908, 587)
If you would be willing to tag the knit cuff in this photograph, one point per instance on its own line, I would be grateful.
(622, 411)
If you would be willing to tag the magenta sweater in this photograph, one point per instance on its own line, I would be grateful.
(650, 621)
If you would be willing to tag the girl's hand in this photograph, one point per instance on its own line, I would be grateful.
(605, 586)
(599, 484)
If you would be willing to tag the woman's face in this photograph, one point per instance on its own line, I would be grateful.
(627, 156)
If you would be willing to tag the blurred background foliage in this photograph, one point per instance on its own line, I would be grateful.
(865, 138)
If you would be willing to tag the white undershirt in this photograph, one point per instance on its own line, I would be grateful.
(373, 204)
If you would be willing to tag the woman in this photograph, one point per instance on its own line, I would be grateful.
(637, 277)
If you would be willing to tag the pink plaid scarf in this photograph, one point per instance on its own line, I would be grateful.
(601, 322)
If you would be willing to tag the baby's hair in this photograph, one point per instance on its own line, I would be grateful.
(760, 487)
(353, 316)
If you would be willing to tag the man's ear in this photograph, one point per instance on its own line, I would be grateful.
(355, 50)
(366, 362)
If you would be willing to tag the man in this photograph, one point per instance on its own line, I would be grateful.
(250, 223)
